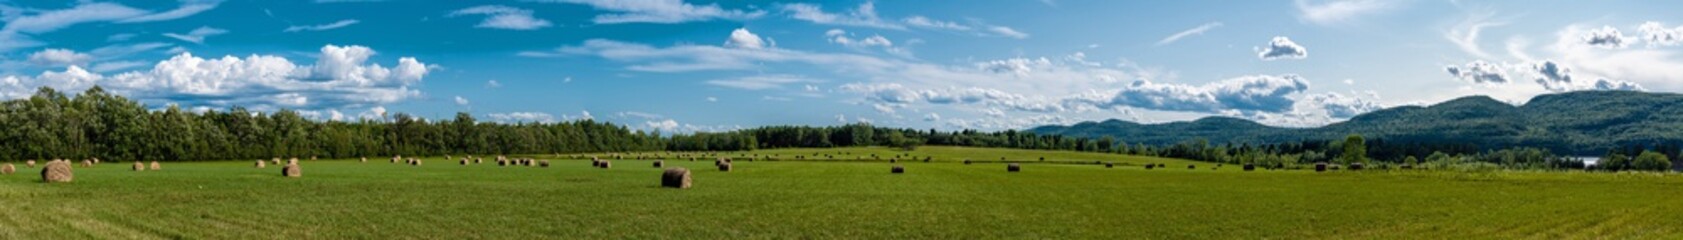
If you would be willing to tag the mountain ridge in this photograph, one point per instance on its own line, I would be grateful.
(1582, 122)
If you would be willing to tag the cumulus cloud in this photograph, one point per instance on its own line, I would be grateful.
(660, 11)
(493, 84)
(1018, 66)
(323, 27)
(461, 101)
(57, 57)
(838, 36)
(503, 17)
(1606, 37)
(762, 82)
(1281, 48)
(524, 117)
(742, 38)
(1479, 72)
(1549, 75)
(1265, 93)
(1330, 12)
(197, 35)
(932, 117)
(340, 78)
(1199, 30)
(1657, 34)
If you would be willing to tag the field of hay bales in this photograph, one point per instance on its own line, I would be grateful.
(944, 198)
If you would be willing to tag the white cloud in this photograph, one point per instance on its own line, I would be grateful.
(18, 25)
(932, 117)
(119, 37)
(1651, 67)
(635, 114)
(116, 66)
(1606, 37)
(742, 38)
(1479, 72)
(1199, 30)
(188, 8)
(503, 17)
(1281, 48)
(339, 79)
(660, 11)
(525, 117)
(1466, 33)
(323, 27)
(1018, 66)
(1259, 93)
(1657, 34)
(712, 99)
(58, 57)
(863, 16)
(838, 36)
(926, 22)
(762, 82)
(1331, 12)
(1007, 31)
(1548, 75)
(493, 84)
(197, 35)
(461, 101)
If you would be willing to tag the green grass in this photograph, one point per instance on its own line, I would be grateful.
(814, 199)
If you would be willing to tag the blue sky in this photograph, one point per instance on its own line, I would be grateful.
(680, 66)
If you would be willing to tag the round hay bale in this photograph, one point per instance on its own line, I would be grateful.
(1013, 167)
(1160, 165)
(724, 167)
(364, 159)
(658, 163)
(1109, 165)
(8, 169)
(57, 171)
(261, 164)
(416, 162)
(1250, 167)
(501, 162)
(967, 162)
(478, 160)
(1320, 166)
(155, 166)
(30, 163)
(139, 166)
(96, 160)
(1191, 166)
(464, 162)
(395, 158)
(892, 160)
(87, 163)
(1149, 166)
(292, 161)
(675, 178)
(606, 164)
(543, 163)
(897, 170)
(292, 170)
(1356, 166)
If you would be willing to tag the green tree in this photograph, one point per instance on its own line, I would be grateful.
(1355, 150)
(1650, 161)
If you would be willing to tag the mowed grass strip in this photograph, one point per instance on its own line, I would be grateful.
(816, 199)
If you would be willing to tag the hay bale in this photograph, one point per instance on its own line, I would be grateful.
(606, 164)
(675, 178)
(292, 170)
(96, 160)
(396, 158)
(416, 162)
(897, 170)
(658, 163)
(261, 164)
(30, 163)
(1250, 167)
(1191, 166)
(1356, 166)
(724, 167)
(501, 162)
(1149, 166)
(543, 163)
(1320, 166)
(87, 163)
(1013, 167)
(1109, 165)
(139, 167)
(292, 161)
(57, 171)
(155, 166)
(8, 169)
(364, 159)
(464, 162)
(478, 160)
(967, 162)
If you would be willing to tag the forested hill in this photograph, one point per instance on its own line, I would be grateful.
(1584, 122)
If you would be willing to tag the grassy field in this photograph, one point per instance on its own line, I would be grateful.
(814, 199)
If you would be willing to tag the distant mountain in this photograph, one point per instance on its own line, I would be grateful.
(1584, 122)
